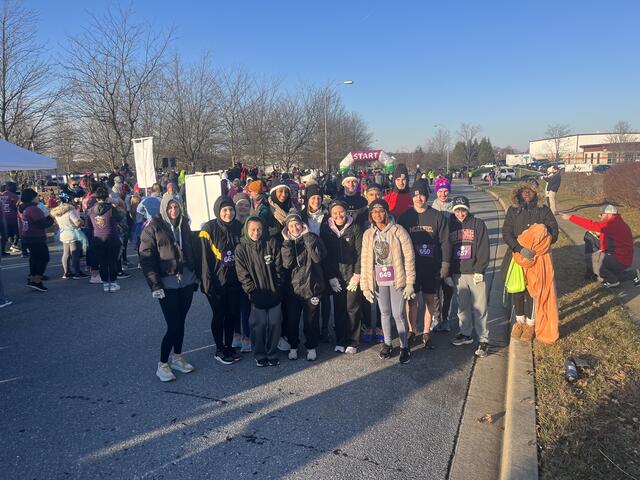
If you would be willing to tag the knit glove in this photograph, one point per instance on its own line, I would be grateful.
(353, 283)
(158, 294)
(449, 282)
(444, 269)
(478, 278)
(368, 294)
(409, 293)
(335, 285)
(527, 253)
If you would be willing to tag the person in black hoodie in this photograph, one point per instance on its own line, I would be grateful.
(259, 269)
(469, 260)
(302, 252)
(167, 259)
(219, 282)
(342, 238)
(429, 232)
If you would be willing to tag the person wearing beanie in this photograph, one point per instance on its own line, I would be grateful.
(342, 237)
(242, 202)
(442, 203)
(218, 279)
(168, 262)
(260, 272)
(355, 203)
(388, 274)
(242, 337)
(399, 199)
(302, 254)
(469, 260)
(280, 204)
(9, 200)
(32, 223)
(429, 232)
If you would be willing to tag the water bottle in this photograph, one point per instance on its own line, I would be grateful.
(570, 370)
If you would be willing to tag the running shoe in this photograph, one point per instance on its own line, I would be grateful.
(405, 355)
(263, 362)
(231, 352)
(339, 349)
(164, 372)
(461, 340)
(311, 354)
(39, 286)
(246, 346)
(293, 354)
(95, 279)
(66, 276)
(351, 350)
(283, 345)
(122, 275)
(223, 357)
(610, 284)
(274, 362)
(237, 341)
(483, 350)
(177, 362)
(385, 351)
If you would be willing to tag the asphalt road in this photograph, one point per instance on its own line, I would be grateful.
(79, 396)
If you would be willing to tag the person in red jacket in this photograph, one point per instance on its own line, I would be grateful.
(400, 199)
(616, 244)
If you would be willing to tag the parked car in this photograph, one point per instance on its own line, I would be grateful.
(601, 168)
(506, 173)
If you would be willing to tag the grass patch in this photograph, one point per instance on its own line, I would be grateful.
(598, 416)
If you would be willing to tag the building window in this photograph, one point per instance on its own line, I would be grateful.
(611, 158)
(598, 157)
(592, 158)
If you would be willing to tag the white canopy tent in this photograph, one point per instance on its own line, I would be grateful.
(13, 157)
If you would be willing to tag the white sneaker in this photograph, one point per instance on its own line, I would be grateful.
(164, 372)
(178, 363)
(114, 287)
(293, 354)
(246, 346)
(351, 350)
(237, 342)
(95, 279)
(283, 345)
(311, 354)
(339, 348)
(106, 287)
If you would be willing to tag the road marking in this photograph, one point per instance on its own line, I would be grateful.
(10, 379)
(198, 349)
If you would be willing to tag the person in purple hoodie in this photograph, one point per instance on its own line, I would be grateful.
(32, 222)
(104, 219)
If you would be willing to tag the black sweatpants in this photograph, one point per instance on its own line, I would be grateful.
(266, 328)
(107, 256)
(226, 317)
(346, 314)
(38, 256)
(523, 303)
(310, 309)
(175, 306)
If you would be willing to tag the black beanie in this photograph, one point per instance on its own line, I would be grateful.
(337, 203)
(221, 202)
(27, 195)
(401, 169)
(420, 187)
(380, 202)
(310, 191)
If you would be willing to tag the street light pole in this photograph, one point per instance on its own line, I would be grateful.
(437, 125)
(326, 139)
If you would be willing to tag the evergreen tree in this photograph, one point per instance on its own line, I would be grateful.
(485, 152)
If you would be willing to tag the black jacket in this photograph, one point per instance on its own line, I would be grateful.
(259, 268)
(429, 228)
(161, 255)
(218, 242)
(472, 233)
(553, 182)
(343, 252)
(357, 207)
(303, 257)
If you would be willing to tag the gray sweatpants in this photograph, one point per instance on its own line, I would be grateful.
(71, 257)
(606, 266)
(265, 326)
(390, 302)
(472, 306)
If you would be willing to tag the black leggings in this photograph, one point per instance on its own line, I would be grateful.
(523, 303)
(38, 257)
(107, 253)
(226, 317)
(174, 305)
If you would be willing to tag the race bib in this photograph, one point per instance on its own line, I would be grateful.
(425, 250)
(463, 252)
(385, 275)
(229, 259)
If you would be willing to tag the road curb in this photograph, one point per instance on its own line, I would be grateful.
(519, 444)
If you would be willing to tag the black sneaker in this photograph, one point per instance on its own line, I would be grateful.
(123, 275)
(231, 352)
(405, 355)
(274, 362)
(483, 350)
(426, 341)
(636, 281)
(411, 339)
(263, 362)
(223, 357)
(80, 275)
(37, 286)
(461, 340)
(385, 351)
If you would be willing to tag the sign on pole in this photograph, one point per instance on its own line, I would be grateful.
(143, 155)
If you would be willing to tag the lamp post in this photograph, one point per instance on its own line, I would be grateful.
(437, 125)
(326, 140)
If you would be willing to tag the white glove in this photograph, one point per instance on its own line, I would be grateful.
(158, 294)
(478, 278)
(335, 285)
(409, 293)
(449, 282)
(368, 294)
(353, 283)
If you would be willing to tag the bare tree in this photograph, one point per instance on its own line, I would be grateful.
(620, 137)
(64, 145)
(467, 133)
(236, 93)
(110, 68)
(555, 134)
(439, 144)
(26, 76)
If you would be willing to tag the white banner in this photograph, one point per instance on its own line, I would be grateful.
(143, 154)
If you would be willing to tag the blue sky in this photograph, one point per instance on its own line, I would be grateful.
(513, 67)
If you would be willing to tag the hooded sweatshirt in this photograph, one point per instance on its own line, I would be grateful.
(303, 256)
(104, 220)
(470, 241)
(218, 241)
(259, 269)
(429, 232)
(32, 222)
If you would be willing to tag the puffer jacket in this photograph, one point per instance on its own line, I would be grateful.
(68, 221)
(402, 257)
(218, 242)
(343, 251)
(303, 257)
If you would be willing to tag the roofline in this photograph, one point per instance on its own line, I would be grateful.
(579, 134)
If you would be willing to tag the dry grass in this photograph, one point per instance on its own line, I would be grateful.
(598, 416)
